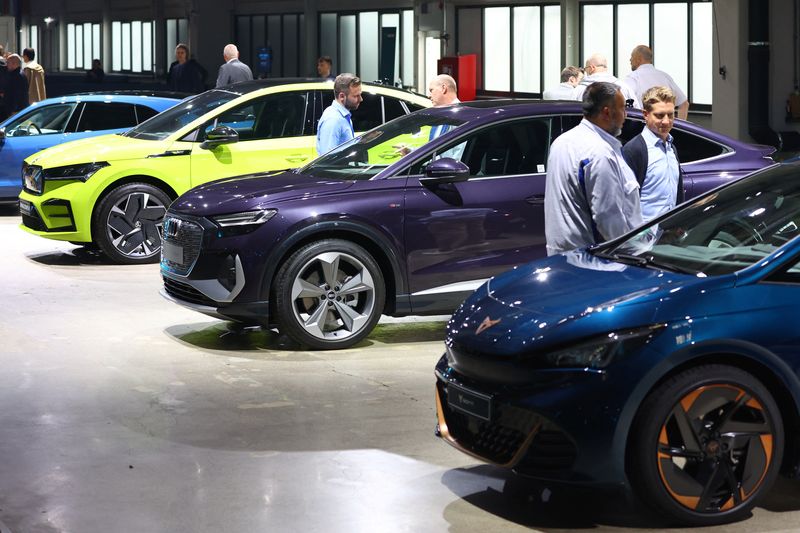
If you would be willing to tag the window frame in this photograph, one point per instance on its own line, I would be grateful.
(247, 47)
(122, 60)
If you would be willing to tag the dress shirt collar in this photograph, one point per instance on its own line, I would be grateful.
(651, 139)
(610, 139)
(341, 109)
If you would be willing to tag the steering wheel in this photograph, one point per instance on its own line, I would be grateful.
(38, 131)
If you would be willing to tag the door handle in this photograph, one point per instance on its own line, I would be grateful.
(536, 199)
(296, 158)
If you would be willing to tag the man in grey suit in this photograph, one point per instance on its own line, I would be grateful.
(232, 70)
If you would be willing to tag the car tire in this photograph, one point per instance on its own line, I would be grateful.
(706, 445)
(127, 223)
(329, 294)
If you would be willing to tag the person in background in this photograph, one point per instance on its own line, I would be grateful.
(652, 155)
(644, 75)
(567, 89)
(16, 95)
(185, 74)
(597, 70)
(324, 66)
(3, 75)
(336, 125)
(443, 91)
(35, 75)
(96, 74)
(591, 195)
(233, 70)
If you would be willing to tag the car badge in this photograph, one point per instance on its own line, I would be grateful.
(486, 324)
(172, 227)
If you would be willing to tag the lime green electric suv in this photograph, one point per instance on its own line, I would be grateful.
(113, 190)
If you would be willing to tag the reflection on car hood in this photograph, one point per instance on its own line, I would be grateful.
(101, 148)
(252, 191)
(563, 298)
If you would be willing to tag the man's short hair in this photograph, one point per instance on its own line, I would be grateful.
(29, 53)
(230, 51)
(598, 95)
(644, 52)
(657, 94)
(325, 59)
(570, 72)
(344, 82)
(448, 80)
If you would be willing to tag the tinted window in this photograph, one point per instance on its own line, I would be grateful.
(143, 113)
(270, 117)
(413, 107)
(369, 114)
(99, 116)
(392, 108)
(694, 148)
(41, 121)
(182, 114)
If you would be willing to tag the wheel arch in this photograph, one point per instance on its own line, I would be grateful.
(379, 247)
(781, 392)
(134, 178)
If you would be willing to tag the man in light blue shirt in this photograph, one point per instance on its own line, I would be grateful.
(591, 195)
(336, 124)
(653, 157)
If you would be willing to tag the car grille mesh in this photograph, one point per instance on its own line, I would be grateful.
(186, 293)
(188, 236)
(502, 438)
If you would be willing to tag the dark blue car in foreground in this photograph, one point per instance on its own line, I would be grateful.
(409, 218)
(668, 359)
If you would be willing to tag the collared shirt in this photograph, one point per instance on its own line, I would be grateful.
(646, 76)
(660, 188)
(563, 91)
(627, 92)
(589, 190)
(335, 127)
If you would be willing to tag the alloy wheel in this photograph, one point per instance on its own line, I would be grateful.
(134, 225)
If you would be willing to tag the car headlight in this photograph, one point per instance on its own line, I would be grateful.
(598, 352)
(73, 172)
(242, 222)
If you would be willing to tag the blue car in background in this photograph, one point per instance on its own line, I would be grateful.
(667, 360)
(67, 118)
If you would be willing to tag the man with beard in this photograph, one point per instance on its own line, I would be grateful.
(336, 125)
(591, 195)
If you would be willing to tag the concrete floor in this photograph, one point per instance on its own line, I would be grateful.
(125, 413)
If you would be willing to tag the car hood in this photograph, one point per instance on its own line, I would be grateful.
(108, 148)
(567, 297)
(252, 191)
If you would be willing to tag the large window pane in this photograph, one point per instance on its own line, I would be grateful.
(147, 46)
(79, 46)
(274, 37)
(116, 46)
(327, 38)
(87, 45)
(70, 45)
(497, 59)
(303, 69)
(433, 52)
(136, 46)
(172, 38)
(95, 42)
(289, 46)
(259, 28)
(552, 46)
(126, 46)
(701, 54)
(527, 49)
(633, 29)
(368, 45)
(670, 46)
(598, 32)
(408, 48)
(392, 20)
(347, 43)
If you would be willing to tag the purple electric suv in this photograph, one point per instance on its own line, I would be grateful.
(407, 219)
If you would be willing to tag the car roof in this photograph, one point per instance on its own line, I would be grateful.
(159, 102)
(135, 93)
(244, 87)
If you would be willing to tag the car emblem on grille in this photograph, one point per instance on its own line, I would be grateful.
(172, 227)
(486, 324)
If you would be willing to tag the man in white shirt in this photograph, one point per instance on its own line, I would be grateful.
(591, 195)
(597, 70)
(566, 90)
(442, 91)
(644, 76)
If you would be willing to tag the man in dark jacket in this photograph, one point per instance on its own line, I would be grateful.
(3, 74)
(186, 75)
(652, 155)
(16, 95)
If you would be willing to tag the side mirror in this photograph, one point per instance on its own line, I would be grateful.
(219, 135)
(445, 170)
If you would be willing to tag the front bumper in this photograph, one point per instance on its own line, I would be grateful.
(55, 216)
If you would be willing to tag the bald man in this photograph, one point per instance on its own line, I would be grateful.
(442, 91)
(233, 70)
(644, 76)
(597, 70)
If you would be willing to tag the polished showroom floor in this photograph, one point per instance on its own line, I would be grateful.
(122, 412)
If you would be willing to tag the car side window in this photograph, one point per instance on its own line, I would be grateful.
(369, 113)
(692, 147)
(143, 113)
(513, 148)
(271, 117)
(99, 116)
(41, 121)
(392, 108)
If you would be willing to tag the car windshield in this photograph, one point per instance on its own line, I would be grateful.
(168, 122)
(721, 232)
(41, 120)
(365, 156)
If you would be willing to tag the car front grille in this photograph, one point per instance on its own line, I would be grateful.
(187, 236)
(187, 293)
(502, 439)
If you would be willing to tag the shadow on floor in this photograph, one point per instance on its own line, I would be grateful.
(229, 336)
(81, 255)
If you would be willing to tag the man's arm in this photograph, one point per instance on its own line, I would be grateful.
(608, 191)
(683, 110)
(221, 77)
